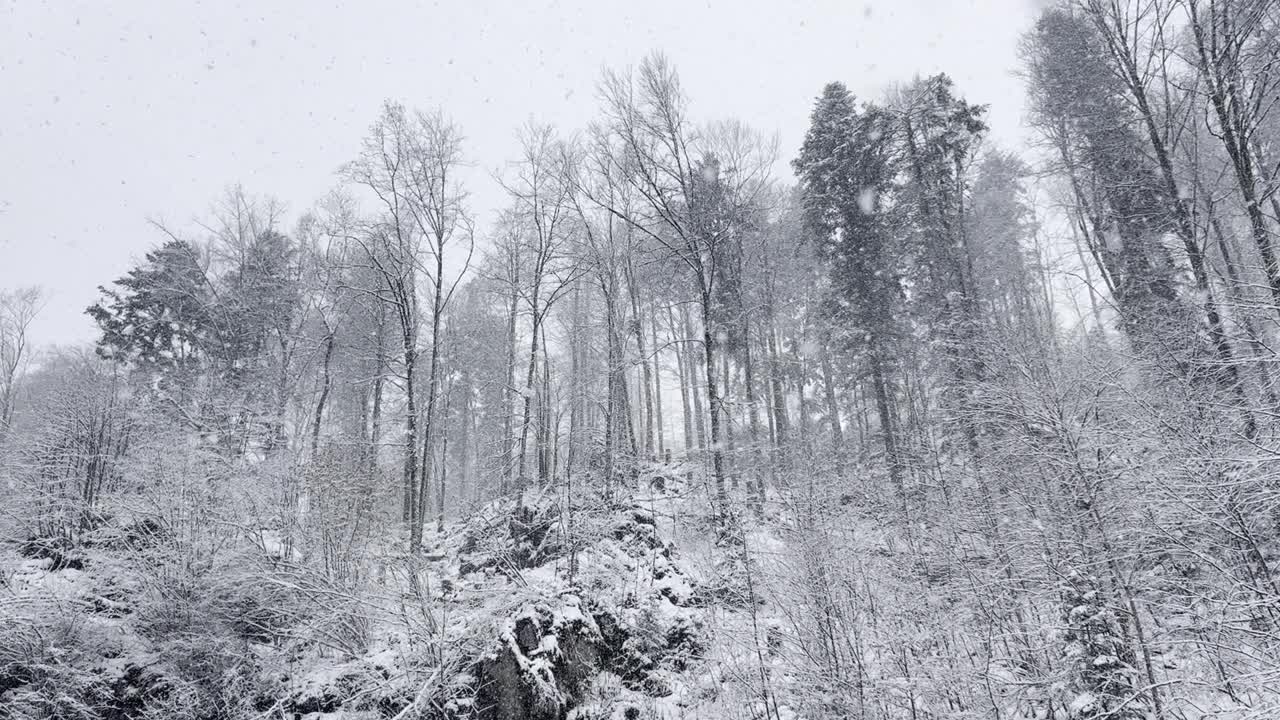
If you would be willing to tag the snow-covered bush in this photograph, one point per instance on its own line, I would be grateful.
(1105, 680)
(50, 664)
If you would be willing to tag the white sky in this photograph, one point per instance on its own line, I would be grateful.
(115, 112)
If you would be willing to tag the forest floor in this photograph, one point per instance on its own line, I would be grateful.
(627, 608)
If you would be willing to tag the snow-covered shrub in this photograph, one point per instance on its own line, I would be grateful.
(310, 608)
(512, 536)
(54, 663)
(1105, 680)
(68, 440)
(352, 688)
(211, 677)
(728, 586)
(341, 515)
(60, 550)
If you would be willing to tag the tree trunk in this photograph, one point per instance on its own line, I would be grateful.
(683, 377)
(325, 384)
(412, 517)
(444, 462)
(575, 380)
(468, 417)
(508, 443)
(726, 395)
(802, 400)
(888, 431)
(753, 417)
(833, 409)
(546, 434)
(1257, 348)
(717, 454)
(691, 362)
(433, 380)
(612, 363)
(781, 422)
(657, 386)
(375, 418)
(646, 385)
(527, 390)
(628, 413)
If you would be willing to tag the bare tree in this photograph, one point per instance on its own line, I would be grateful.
(1242, 91)
(602, 200)
(540, 189)
(18, 308)
(408, 162)
(692, 192)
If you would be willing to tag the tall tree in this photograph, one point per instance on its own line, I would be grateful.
(409, 163)
(158, 317)
(691, 195)
(844, 170)
(540, 190)
(1236, 63)
(1080, 105)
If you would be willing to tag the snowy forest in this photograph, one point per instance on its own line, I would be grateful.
(898, 424)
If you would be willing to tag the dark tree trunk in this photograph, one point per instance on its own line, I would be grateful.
(692, 362)
(683, 375)
(833, 409)
(657, 386)
(888, 429)
(508, 442)
(326, 384)
(646, 385)
(713, 399)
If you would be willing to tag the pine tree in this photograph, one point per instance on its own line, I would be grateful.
(159, 317)
(844, 170)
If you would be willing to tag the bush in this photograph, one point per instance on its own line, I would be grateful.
(51, 666)
(58, 549)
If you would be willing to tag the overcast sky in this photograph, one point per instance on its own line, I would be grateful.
(115, 112)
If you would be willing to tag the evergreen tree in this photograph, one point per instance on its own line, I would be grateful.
(1080, 103)
(1000, 224)
(158, 316)
(845, 173)
(1103, 674)
(259, 300)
